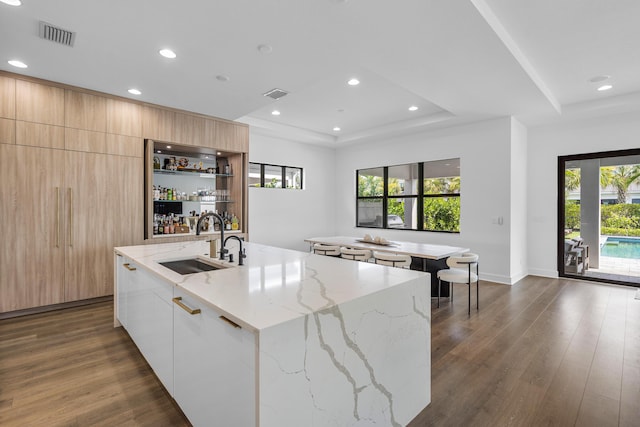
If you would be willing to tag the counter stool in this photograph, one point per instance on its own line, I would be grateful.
(392, 260)
(355, 254)
(330, 250)
(459, 271)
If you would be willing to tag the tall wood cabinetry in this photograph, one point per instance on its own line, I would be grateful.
(68, 197)
(73, 179)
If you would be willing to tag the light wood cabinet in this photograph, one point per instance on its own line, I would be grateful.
(33, 242)
(7, 131)
(124, 118)
(39, 135)
(85, 140)
(39, 103)
(85, 111)
(189, 130)
(64, 212)
(157, 123)
(7, 97)
(232, 137)
(104, 196)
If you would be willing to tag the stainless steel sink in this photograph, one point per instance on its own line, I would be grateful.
(189, 266)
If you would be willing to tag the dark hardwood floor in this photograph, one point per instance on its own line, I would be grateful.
(542, 352)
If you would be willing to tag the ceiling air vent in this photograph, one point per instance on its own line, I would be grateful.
(56, 34)
(275, 93)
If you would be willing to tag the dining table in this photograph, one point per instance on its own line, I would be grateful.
(427, 257)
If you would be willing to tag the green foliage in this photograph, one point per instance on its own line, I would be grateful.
(620, 216)
(396, 207)
(610, 231)
(443, 185)
(442, 214)
(572, 215)
(370, 185)
(273, 184)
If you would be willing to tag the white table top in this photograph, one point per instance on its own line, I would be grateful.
(275, 285)
(419, 250)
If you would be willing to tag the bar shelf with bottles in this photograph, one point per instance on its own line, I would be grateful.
(186, 182)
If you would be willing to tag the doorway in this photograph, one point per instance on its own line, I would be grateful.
(599, 216)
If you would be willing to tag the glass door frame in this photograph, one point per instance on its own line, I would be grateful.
(562, 161)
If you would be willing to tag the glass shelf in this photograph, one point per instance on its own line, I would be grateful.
(202, 173)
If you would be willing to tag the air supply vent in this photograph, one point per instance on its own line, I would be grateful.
(275, 93)
(56, 34)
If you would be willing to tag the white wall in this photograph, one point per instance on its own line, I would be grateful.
(545, 144)
(284, 218)
(518, 223)
(484, 150)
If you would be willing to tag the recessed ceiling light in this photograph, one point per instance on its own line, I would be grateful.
(336, 129)
(218, 153)
(413, 108)
(159, 152)
(598, 79)
(134, 91)
(275, 112)
(17, 63)
(12, 2)
(353, 82)
(167, 53)
(168, 147)
(604, 87)
(222, 78)
(265, 48)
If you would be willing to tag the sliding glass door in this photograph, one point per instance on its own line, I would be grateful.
(599, 216)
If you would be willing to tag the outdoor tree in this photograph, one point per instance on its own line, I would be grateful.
(620, 177)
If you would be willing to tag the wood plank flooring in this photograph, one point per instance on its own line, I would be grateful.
(542, 352)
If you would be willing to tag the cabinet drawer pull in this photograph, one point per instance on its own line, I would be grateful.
(128, 267)
(231, 322)
(178, 300)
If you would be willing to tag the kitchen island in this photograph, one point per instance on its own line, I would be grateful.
(287, 339)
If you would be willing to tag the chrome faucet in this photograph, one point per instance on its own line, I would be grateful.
(241, 254)
(223, 251)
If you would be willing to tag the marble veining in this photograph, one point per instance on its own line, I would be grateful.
(270, 287)
(338, 342)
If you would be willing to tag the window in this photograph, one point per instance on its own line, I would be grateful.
(416, 196)
(275, 176)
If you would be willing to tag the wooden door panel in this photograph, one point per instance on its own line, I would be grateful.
(32, 247)
(90, 221)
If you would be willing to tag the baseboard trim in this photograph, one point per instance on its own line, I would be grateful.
(53, 307)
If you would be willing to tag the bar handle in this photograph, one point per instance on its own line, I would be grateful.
(70, 217)
(58, 217)
(128, 267)
(231, 322)
(178, 300)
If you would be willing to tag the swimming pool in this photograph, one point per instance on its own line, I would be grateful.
(621, 247)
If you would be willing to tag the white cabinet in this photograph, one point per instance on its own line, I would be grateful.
(145, 310)
(214, 366)
(122, 288)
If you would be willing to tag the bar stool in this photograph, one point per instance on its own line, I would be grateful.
(392, 260)
(330, 250)
(459, 271)
(355, 254)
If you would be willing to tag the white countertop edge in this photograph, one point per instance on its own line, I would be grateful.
(262, 307)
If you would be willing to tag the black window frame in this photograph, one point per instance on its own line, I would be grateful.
(419, 198)
(283, 176)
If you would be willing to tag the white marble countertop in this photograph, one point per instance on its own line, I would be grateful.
(419, 250)
(275, 285)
